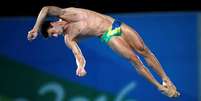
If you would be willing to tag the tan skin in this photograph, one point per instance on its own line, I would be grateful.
(77, 22)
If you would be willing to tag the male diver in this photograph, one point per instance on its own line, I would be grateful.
(78, 22)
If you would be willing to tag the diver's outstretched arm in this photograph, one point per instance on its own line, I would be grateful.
(80, 60)
(45, 11)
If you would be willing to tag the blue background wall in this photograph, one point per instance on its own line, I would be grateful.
(172, 37)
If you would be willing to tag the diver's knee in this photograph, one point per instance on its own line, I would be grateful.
(133, 57)
(143, 50)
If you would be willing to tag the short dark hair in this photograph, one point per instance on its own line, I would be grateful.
(44, 28)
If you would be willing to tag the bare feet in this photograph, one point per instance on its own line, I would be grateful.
(170, 92)
(81, 72)
(169, 89)
(168, 84)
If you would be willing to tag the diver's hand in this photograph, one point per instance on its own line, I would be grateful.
(32, 34)
(81, 72)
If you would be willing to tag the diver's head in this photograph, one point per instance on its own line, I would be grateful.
(49, 29)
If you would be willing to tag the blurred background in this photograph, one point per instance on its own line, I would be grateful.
(44, 70)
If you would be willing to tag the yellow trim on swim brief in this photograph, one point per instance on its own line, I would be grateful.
(110, 33)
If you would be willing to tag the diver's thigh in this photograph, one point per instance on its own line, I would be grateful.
(132, 37)
(119, 45)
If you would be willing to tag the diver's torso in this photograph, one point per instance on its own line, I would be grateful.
(90, 23)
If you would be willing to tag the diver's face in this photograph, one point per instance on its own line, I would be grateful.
(55, 29)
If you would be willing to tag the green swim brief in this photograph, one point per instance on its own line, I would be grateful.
(114, 30)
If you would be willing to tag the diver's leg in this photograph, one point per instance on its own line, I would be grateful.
(119, 45)
(136, 42)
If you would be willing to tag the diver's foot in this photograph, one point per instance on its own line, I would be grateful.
(170, 92)
(168, 84)
(81, 72)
